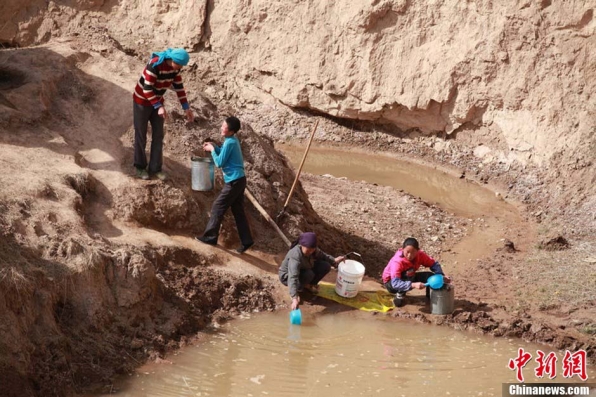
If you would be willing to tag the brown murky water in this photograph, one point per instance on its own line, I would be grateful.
(461, 197)
(333, 356)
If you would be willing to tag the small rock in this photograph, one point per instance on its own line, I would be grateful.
(508, 246)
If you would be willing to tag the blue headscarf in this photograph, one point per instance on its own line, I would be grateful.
(178, 55)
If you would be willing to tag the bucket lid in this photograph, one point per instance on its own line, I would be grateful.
(352, 267)
(202, 159)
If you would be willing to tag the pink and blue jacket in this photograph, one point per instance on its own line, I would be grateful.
(400, 271)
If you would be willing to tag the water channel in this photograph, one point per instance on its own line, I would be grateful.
(345, 354)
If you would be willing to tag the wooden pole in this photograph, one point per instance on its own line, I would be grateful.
(312, 134)
(267, 217)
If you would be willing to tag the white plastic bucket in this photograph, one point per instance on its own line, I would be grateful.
(349, 278)
(202, 173)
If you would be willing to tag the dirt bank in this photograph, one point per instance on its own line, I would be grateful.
(93, 280)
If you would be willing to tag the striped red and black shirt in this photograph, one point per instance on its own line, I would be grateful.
(154, 82)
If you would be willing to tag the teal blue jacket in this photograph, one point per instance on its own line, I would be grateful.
(228, 157)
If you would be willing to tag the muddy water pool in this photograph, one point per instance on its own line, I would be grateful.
(339, 355)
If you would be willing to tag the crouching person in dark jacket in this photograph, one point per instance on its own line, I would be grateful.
(304, 266)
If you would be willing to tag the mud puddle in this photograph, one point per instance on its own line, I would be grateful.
(332, 356)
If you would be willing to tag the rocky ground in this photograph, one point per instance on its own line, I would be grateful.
(99, 271)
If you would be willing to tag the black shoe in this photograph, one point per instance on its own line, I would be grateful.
(205, 241)
(243, 248)
(399, 301)
(141, 173)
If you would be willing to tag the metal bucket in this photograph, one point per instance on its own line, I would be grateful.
(202, 173)
(442, 301)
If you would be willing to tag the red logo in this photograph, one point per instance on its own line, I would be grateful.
(519, 362)
(575, 364)
(546, 364)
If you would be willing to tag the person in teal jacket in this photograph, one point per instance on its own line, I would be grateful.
(228, 157)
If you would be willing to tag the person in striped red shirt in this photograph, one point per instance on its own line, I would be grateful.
(161, 72)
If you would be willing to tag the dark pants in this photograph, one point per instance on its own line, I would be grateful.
(142, 115)
(419, 277)
(232, 195)
(310, 276)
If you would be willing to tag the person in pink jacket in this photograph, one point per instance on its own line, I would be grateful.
(400, 274)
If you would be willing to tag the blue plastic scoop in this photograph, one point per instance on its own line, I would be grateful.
(435, 281)
(296, 317)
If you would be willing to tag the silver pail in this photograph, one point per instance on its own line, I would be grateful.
(202, 173)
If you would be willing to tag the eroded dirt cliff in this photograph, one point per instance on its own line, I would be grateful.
(520, 68)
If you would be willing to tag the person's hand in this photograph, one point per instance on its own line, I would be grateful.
(162, 112)
(446, 278)
(339, 260)
(418, 286)
(190, 117)
(208, 147)
(295, 302)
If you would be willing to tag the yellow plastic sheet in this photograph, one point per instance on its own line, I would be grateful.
(370, 301)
